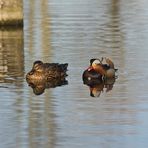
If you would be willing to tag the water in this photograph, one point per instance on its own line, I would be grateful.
(67, 116)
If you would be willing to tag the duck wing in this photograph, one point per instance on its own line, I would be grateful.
(55, 70)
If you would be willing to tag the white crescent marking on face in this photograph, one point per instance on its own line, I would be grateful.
(96, 62)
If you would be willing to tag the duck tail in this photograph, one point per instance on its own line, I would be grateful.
(64, 66)
(63, 69)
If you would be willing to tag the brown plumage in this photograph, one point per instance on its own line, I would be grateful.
(47, 71)
(107, 70)
(99, 70)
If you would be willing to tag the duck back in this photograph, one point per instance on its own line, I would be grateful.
(55, 70)
(48, 71)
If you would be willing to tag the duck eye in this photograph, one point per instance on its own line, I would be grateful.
(31, 73)
(36, 67)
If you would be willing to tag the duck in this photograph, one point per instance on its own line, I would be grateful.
(47, 71)
(99, 71)
(107, 69)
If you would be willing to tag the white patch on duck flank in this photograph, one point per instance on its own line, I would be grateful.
(89, 78)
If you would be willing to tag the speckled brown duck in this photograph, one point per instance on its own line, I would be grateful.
(47, 71)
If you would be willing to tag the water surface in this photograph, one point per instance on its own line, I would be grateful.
(68, 117)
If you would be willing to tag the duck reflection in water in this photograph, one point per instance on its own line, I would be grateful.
(97, 87)
(46, 75)
(39, 86)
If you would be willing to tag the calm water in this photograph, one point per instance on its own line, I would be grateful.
(75, 31)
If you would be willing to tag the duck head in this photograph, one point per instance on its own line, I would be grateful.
(93, 63)
(37, 66)
(36, 70)
(96, 65)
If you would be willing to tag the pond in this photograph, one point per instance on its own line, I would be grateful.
(67, 116)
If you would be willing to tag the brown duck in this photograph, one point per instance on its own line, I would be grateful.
(47, 71)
